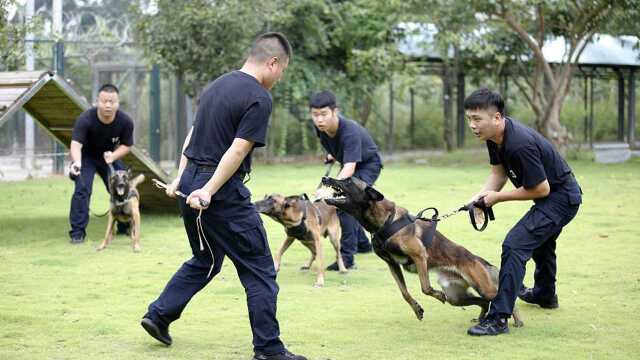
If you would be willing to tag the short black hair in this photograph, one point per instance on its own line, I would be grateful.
(483, 99)
(268, 45)
(110, 88)
(324, 98)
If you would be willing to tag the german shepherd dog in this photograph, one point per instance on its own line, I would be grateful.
(457, 268)
(125, 206)
(306, 221)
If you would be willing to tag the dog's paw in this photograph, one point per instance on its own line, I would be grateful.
(318, 285)
(137, 248)
(419, 312)
(100, 248)
(518, 323)
(305, 267)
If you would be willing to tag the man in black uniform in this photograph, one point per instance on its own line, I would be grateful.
(232, 119)
(101, 136)
(349, 143)
(538, 173)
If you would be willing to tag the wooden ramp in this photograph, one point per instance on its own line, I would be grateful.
(55, 105)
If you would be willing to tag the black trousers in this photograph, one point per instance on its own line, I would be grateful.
(534, 236)
(233, 229)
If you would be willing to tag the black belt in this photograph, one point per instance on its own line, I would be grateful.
(211, 169)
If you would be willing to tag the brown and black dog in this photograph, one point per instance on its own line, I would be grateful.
(306, 221)
(125, 206)
(457, 268)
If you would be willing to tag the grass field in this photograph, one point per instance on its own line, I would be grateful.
(59, 301)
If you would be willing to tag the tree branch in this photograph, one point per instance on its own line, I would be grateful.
(517, 27)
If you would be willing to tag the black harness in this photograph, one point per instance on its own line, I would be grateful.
(299, 231)
(391, 227)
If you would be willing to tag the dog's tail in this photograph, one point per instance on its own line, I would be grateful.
(137, 180)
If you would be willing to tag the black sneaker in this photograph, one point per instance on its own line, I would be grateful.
(527, 296)
(158, 332)
(489, 326)
(77, 239)
(286, 355)
(334, 267)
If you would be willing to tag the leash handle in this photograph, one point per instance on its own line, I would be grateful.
(487, 211)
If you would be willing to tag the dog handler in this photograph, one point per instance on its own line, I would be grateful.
(350, 144)
(538, 173)
(232, 119)
(101, 136)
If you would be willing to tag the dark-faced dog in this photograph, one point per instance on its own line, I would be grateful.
(125, 206)
(457, 268)
(306, 221)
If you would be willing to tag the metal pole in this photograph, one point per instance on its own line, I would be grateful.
(620, 106)
(154, 113)
(461, 122)
(58, 65)
(591, 111)
(631, 137)
(412, 119)
(391, 119)
(58, 62)
(29, 128)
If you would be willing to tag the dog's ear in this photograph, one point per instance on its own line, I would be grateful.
(129, 172)
(373, 194)
(304, 196)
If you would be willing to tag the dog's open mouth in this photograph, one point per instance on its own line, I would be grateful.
(120, 190)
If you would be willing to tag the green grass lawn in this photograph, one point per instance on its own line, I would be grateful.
(59, 301)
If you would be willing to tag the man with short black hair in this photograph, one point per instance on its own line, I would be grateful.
(538, 173)
(218, 214)
(101, 136)
(350, 144)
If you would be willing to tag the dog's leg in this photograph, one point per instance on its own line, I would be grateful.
(517, 319)
(319, 259)
(109, 233)
(396, 271)
(285, 245)
(135, 227)
(335, 241)
(423, 274)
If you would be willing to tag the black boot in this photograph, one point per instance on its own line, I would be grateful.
(490, 325)
(286, 355)
(157, 331)
(526, 295)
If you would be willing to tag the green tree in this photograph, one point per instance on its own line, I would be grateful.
(12, 34)
(545, 85)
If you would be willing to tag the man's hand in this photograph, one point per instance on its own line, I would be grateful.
(172, 188)
(74, 168)
(490, 197)
(108, 157)
(329, 159)
(197, 196)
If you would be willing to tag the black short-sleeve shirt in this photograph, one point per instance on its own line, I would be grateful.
(234, 105)
(352, 143)
(527, 157)
(97, 137)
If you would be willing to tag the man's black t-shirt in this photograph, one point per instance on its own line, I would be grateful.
(234, 105)
(528, 158)
(352, 143)
(97, 137)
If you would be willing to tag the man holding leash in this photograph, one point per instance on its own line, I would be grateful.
(218, 215)
(101, 136)
(538, 173)
(350, 144)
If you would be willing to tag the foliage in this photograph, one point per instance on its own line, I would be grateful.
(12, 35)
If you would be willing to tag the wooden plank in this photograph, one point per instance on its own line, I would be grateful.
(20, 77)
